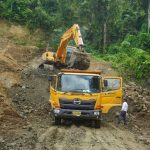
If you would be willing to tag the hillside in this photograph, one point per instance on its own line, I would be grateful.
(24, 106)
(13, 58)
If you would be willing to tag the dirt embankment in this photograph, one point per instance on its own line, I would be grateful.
(13, 58)
(139, 110)
(24, 107)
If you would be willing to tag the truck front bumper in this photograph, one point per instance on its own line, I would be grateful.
(81, 114)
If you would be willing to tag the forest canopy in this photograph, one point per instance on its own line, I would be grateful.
(116, 30)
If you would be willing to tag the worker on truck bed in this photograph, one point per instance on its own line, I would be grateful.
(123, 112)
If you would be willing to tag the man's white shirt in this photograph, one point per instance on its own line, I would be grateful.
(124, 106)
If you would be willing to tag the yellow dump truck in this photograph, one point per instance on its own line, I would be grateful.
(83, 95)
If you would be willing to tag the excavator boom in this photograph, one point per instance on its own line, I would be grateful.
(72, 33)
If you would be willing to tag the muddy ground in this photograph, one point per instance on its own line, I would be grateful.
(24, 108)
(32, 129)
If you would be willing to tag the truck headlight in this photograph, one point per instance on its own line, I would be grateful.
(56, 111)
(96, 113)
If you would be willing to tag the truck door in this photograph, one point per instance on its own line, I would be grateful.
(53, 94)
(111, 95)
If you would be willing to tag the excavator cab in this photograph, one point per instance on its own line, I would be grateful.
(70, 49)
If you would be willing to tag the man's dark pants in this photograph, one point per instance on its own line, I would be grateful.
(121, 116)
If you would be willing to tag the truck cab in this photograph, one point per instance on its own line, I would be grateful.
(83, 95)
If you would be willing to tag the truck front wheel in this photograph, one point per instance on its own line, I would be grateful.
(97, 123)
(57, 121)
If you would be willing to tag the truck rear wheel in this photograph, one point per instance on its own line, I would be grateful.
(57, 121)
(97, 123)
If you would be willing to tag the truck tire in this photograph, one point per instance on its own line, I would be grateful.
(57, 121)
(97, 123)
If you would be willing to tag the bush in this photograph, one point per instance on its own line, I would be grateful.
(142, 41)
(131, 61)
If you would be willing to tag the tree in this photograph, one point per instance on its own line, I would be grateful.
(148, 16)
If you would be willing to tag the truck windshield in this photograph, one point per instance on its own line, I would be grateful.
(79, 83)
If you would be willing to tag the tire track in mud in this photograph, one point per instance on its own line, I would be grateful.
(110, 137)
(83, 138)
(66, 138)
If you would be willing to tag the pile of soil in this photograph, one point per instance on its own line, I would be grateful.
(79, 60)
(13, 59)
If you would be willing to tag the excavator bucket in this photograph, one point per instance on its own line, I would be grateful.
(79, 60)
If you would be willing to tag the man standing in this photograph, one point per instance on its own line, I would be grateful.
(123, 112)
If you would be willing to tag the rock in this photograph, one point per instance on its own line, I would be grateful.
(25, 107)
(135, 101)
(140, 91)
(147, 98)
(144, 99)
(24, 127)
(30, 110)
(26, 111)
(135, 126)
(138, 108)
(144, 93)
(144, 140)
(147, 141)
(23, 99)
(27, 86)
(144, 108)
(29, 128)
(129, 97)
(127, 87)
(140, 96)
(23, 87)
(2, 140)
(20, 145)
(132, 84)
(11, 144)
(22, 115)
(15, 100)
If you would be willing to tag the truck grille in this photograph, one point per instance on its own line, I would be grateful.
(77, 104)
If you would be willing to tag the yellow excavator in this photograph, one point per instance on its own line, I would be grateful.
(68, 56)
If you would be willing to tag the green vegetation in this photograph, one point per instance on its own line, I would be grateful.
(131, 61)
(113, 30)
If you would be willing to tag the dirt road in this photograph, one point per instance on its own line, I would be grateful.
(33, 130)
(68, 138)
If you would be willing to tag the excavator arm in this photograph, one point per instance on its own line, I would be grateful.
(72, 33)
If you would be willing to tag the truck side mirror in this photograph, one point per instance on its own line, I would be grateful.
(49, 78)
(105, 83)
